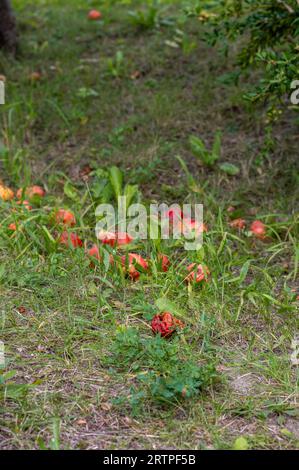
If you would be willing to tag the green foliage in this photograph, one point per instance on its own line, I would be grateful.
(146, 18)
(270, 30)
(229, 168)
(244, 318)
(11, 390)
(116, 180)
(108, 185)
(116, 65)
(199, 150)
(241, 444)
(165, 372)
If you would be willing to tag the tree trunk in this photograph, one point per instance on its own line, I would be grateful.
(8, 32)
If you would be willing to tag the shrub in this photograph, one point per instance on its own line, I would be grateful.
(270, 30)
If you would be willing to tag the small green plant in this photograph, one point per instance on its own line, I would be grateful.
(229, 168)
(166, 372)
(200, 151)
(116, 65)
(147, 18)
(54, 443)
(109, 184)
(11, 390)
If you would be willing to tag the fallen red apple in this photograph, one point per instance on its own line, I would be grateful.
(165, 324)
(123, 238)
(65, 217)
(258, 228)
(6, 193)
(94, 15)
(164, 262)
(31, 192)
(192, 224)
(12, 227)
(238, 223)
(114, 238)
(70, 239)
(94, 251)
(130, 264)
(197, 273)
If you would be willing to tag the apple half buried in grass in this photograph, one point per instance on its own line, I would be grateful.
(65, 217)
(70, 239)
(163, 262)
(31, 192)
(238, 223)
(12, 227)
(130, 264)
(114, 238)
(94, 252)
(197, 273)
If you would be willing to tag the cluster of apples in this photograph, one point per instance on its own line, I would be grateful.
(8, 194)
(257, 227)
(24, 196)
(132, 263)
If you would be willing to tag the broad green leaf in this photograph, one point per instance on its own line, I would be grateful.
(131, 192)
(55, 440)
(198, 148)
(86, 93)
(48, 234)
(8, 375)
(244, 271)
(116, 180)
(70, 191)
(229, 168)
(241, 444)
(14, 391)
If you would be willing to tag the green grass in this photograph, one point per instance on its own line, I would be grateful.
(78, 338)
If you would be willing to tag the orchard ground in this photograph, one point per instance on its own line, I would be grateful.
(77, 337)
